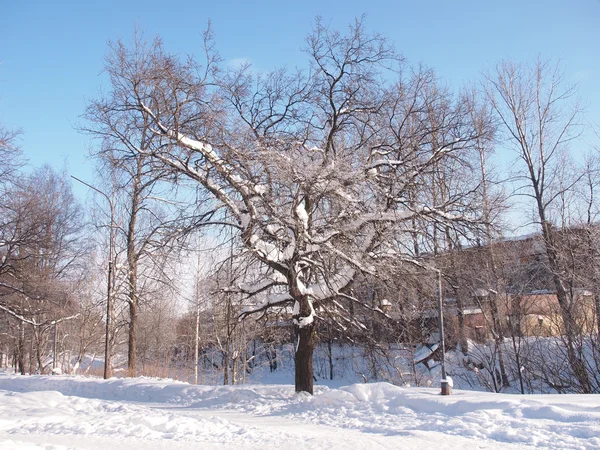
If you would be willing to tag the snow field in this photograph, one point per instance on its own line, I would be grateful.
(76, 412)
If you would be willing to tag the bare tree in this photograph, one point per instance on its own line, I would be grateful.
(41, 236)
(588, 219)
(493, 204)
(151, 210)
(532, 104)
(10, 155)
(312, 169)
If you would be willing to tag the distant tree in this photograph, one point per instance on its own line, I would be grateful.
(590, 275)
(534, 107)
(485, 277)
(42, 245)
(10, 155)
(151, 215)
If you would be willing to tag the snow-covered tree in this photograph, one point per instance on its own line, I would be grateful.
(322, 172)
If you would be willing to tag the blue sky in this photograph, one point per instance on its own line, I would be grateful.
(51, 53)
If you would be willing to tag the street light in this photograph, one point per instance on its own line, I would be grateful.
(110, 276)
(446, 387)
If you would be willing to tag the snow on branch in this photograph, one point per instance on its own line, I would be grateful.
(17, 315)
(355, 262)
(332, 286)
(270, 252)
(271, 301)
(252, 289)
(32, 322)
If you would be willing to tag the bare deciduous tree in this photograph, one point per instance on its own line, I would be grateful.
(532, 104)
(41, 244)
(151, 212)
(314, 169)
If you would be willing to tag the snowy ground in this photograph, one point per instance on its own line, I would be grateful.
(39, 412)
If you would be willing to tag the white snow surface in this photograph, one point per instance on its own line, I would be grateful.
(61, 412)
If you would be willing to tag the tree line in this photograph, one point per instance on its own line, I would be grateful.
(316, 194)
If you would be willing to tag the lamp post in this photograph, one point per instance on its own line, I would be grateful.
(107, 371)
(445, 383)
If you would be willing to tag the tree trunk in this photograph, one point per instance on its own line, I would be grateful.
(330, 356)
(498, 338)
(226, 363)
(132, 344)
(517, 350)
(132, 266)
(304, 358)
(54, 346)
(21, 351)
(462, 334)
(227, 350)
(196, 339)
(38, 350)
(32, 363)
(304, 325)
(234, 369)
